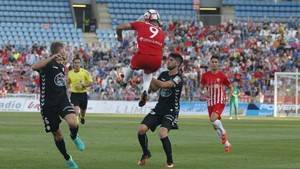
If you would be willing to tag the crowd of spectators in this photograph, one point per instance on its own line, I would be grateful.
(250, 54)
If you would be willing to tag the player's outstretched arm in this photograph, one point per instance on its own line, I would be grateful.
(120, 28)
(162, 84)
(39, 65)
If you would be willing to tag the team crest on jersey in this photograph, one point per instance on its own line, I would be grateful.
(59, 80)
(218, 80)
(177, 79)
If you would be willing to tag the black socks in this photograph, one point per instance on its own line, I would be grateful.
(143, 142)
(74, 132)
(168, 149)
(60, 144)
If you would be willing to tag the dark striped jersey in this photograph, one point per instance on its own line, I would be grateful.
(169, 99)
(52, 84)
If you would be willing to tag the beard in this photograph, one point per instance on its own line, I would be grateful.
(170, 67)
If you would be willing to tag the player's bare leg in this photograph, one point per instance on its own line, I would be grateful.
(163, 133)
(146, 85)
(221, 132)
(143, 140)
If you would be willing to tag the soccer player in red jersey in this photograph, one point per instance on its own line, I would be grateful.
(214, 83)
(150, 43)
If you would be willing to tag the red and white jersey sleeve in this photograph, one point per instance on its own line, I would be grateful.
(150, 38)
(215, 83)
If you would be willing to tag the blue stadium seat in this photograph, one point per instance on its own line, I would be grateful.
(22, 21)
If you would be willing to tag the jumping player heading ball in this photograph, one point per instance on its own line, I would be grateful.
(150, 44)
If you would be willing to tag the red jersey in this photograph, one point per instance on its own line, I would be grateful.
(215, 84)
(150, 38)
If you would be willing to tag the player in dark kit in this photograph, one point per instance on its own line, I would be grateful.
(166, 110)
(54, 101)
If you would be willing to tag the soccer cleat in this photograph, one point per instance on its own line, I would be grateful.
(143, 99)
(82, 120)
(227, 148)
(224, 138)
(169, 165)
(143, 159)
(71, 163)
(79, 143)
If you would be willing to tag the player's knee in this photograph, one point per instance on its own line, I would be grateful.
(71, 119)
(214, 117)
(57, 135)
(142, 129)
(77, 109)
(163, 132)
(73, 123)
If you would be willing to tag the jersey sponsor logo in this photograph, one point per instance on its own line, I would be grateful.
(55, 67)
(216, 86)
(143, 39)
(165, 92)
(59, 80)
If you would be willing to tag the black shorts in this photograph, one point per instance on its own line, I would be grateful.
(79, 99)
(52, 115)
(153, 119)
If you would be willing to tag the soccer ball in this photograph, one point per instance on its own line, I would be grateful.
(151, 15)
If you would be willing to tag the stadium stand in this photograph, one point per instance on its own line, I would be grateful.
(107, 37)
(121, 11)
(37, 21)
(126, 11)
(262, 10)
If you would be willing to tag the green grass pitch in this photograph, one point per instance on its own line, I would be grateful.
(258, 143)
